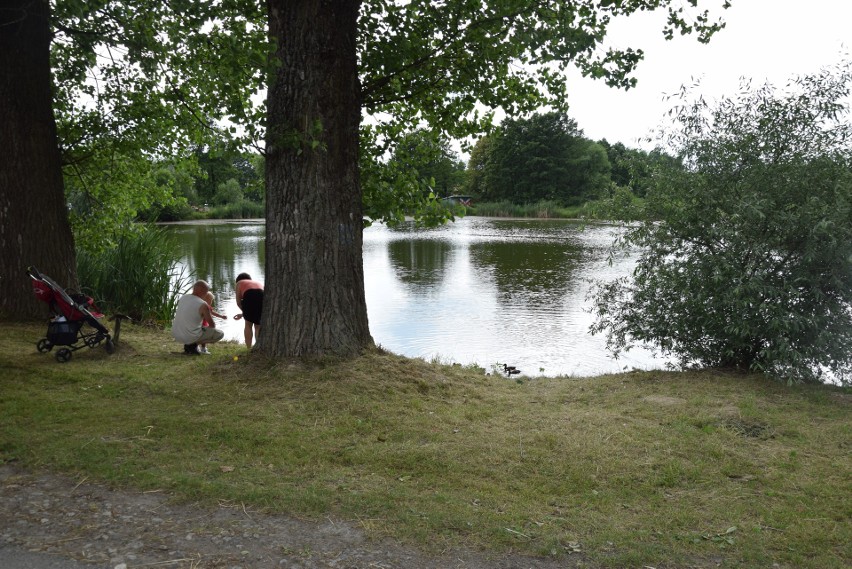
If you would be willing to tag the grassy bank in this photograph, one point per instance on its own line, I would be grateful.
(645, 469)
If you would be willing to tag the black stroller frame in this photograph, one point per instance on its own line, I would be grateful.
(74, 323)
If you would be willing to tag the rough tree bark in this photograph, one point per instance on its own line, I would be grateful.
(314, 301)
(34, 226)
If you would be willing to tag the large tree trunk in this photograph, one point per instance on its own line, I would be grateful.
(314, 301)
(34, 227)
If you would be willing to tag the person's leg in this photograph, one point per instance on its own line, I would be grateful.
(252, 307)
(248, 333)
(210, 335)
(256, 333)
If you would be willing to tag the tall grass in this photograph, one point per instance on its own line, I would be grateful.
(242, 209)
(138, 277)
(544, 209)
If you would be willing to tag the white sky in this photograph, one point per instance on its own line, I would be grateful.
(764, 40)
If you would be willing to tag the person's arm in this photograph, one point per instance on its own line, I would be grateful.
(239, 297)
(206, 314)
(217, 315)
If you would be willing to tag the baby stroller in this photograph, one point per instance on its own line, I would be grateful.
(70, 315)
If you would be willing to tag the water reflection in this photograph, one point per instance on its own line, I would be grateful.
(527, 273)
(420, 263)
(475, 291)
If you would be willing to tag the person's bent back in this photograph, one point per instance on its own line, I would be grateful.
(250, 301)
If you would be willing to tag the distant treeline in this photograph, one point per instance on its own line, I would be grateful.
(538, 166)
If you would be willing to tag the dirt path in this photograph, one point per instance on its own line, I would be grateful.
(48, 518)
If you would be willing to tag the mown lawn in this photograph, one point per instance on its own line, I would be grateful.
(658, 469)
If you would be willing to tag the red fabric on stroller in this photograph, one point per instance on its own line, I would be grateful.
(72, 313)
(64, 303)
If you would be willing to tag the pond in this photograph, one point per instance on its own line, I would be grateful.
(478, 291)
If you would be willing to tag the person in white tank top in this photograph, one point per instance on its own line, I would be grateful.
(188, 324)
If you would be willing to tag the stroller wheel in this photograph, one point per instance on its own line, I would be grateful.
(63, 355)
(44, 345)
(109, 346)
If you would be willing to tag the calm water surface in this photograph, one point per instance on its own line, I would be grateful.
(483, 291)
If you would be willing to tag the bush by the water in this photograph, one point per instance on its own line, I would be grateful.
(747, 248)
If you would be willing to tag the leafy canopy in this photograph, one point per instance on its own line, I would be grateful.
(450, 65)
(750, 264)
(141, 80)
(444, 62)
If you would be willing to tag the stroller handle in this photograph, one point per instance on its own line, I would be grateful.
(34, 272)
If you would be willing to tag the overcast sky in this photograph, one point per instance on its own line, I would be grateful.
(764, 40)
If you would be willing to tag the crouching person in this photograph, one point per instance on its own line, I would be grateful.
(192, 311)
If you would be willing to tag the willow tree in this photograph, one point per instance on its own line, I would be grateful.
(446, 65)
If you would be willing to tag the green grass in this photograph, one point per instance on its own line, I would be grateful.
(540, 210)
(644, 469)
(243, 209)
